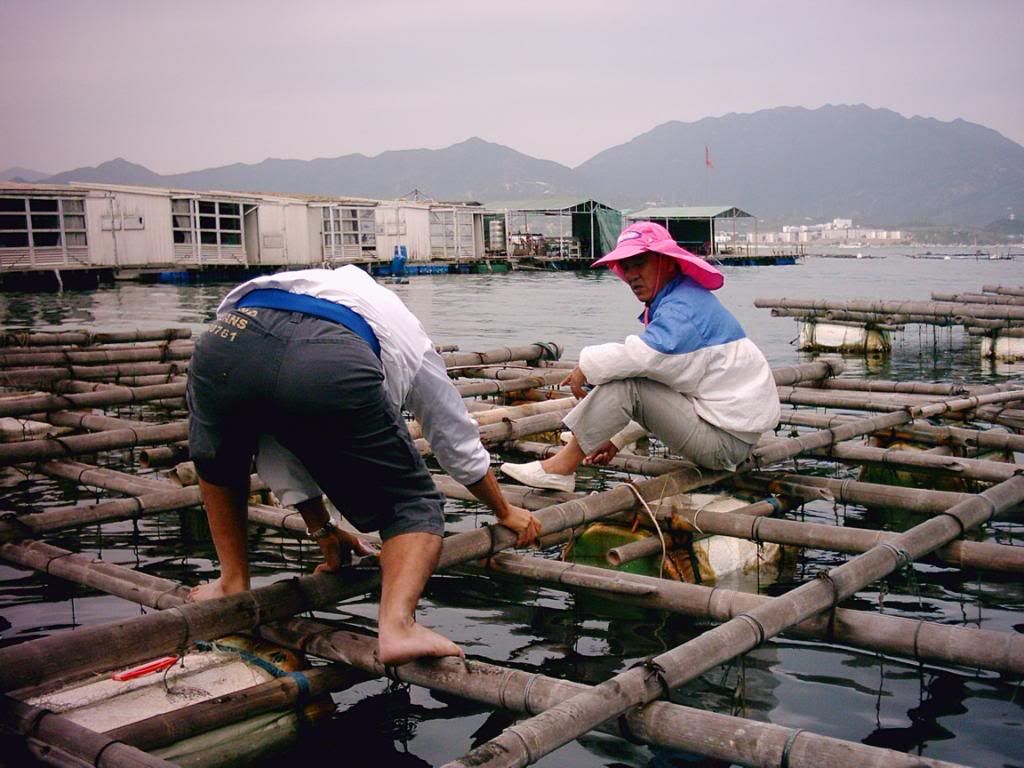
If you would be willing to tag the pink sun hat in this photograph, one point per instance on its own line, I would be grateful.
(643, 236)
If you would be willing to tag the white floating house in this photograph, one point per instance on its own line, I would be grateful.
(124, 228)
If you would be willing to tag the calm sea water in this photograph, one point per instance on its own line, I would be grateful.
(965, 716)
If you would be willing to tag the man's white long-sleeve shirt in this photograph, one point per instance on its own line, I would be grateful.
(414, 378)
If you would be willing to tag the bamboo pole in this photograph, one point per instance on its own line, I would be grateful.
(888, 402)
(528, 741)
(140, 588)
(32, 377)
(873, 319)
(76, 445)
(931, 308)
(1008, 333)
(98, 647)
(978, 298)
(163, 353)
(1003, 290)
(17, 406)
(491, 387)
(964, 554)
(971, 469)
(996, 439)
(92, 422)
(854, 492)
(163, 456)
(78, 741)
(914, 639)
(530, 352)
(86, 338)
(732, 739)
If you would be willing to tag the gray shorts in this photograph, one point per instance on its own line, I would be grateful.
(668, 415)
(319, 390)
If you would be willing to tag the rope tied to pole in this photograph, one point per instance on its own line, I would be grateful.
(654, 521)
(784, 758)
(657, 672)
(757, 626)
(826, 576)
(917, 635)
(902, 556)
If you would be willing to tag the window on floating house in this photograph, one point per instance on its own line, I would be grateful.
(214, 222)
(348, 230)
(41, 222)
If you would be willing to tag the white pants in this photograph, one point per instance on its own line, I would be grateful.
(665, 413)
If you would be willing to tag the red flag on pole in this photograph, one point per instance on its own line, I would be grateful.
(707, 157)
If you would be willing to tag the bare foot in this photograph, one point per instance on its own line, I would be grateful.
(413, 642)
(210, 591)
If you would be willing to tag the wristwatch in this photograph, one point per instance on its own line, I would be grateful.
(322, 531)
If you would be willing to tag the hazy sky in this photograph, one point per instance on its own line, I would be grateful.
(189, 84)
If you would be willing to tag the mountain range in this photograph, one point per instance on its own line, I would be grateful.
(784, 165)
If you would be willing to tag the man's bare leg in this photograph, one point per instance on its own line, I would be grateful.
(406, 562)
(227, 509)
(565, 462)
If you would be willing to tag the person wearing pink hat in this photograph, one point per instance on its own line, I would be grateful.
(692, 378)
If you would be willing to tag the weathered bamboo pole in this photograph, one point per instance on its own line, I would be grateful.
(916, 639)
(18, 406)
(492, 387)
(789, 447)
(964, 554)
(732, 739)
(163, 456)
(101, 477)
(528, 741)
(87, 338)
(530, 352)
(162, 353)
(35, 356)
(887, 402)
(292, 690)
(92, 422)
(61, 518)
(94, 748)
(997, 439)
(1009, 333)
(499, 372)
(1003, 290)
(92, 648)
(76, 445)
(31, 377)
(140, 588)
(972, 469)
(978, 298)
(884, 385)
(873, 319)
(931, 308)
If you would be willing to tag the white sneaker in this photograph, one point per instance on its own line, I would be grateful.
(533, 475)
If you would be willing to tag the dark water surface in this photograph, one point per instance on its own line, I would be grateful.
(961, 715)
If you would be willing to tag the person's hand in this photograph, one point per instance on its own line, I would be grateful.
(576, 380)
(338, 548)
(522, 523)
(602, 455)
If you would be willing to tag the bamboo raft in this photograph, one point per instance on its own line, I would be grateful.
(61, 419)
(994, 316)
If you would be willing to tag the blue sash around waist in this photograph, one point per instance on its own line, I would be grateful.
(275, 298)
